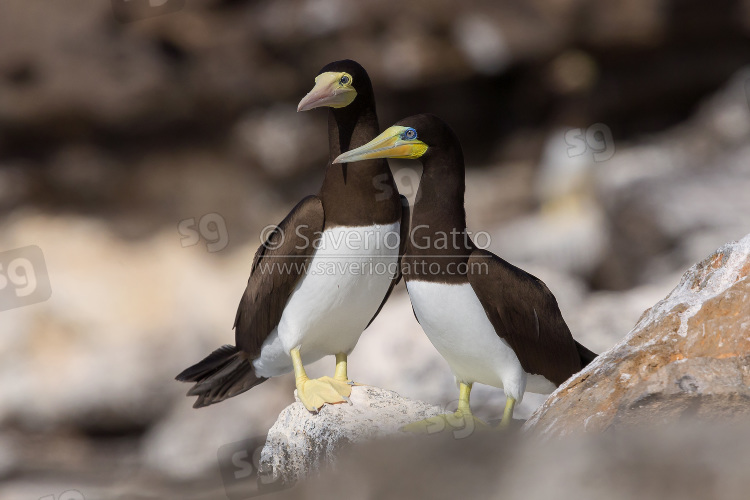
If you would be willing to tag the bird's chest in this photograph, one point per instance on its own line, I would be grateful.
(344, 283)
(450, 314)
(352, 263)
(457, 325)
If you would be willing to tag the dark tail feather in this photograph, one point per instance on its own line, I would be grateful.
(224, 373)
(585, 355)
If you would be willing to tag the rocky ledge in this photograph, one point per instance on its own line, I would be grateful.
(687, 357)
(300, 442)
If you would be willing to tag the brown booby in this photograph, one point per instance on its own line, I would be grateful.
(492, 322)
(323, 274)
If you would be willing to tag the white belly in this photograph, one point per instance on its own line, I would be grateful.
(457, 325)
(332, 304)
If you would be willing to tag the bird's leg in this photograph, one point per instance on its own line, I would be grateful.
(463, 416)
(462, 422)
(313, 393)
(510, 404)
(464, 392)
(340, 373)
(340, 381)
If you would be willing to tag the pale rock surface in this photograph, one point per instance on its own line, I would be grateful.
(688, 356)
(301, 442)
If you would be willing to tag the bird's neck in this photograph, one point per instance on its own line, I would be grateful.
(362, 193)
(439, 212)
(351, 126)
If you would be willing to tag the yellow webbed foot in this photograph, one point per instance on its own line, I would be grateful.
(315, 393)
(343, 387)
(462, 424)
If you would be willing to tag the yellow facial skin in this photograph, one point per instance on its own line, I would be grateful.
(393, 143)
(333, 90)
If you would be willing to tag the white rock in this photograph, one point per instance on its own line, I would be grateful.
(300, 442)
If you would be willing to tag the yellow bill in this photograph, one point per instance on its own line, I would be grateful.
(395, 142)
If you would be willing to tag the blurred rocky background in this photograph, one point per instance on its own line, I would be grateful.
(608, 146)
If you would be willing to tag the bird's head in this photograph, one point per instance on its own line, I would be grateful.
(411, 138)
(337, 86)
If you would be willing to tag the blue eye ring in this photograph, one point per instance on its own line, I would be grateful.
(344, 80)
(409, 134)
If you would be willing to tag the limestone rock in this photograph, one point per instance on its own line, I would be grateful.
(688, 356)
(301, 442)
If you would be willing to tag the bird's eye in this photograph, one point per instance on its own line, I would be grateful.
(344, 80)
(409, 134)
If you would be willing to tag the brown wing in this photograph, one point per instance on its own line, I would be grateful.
(404, 235)
(278, 265)
(525, 314)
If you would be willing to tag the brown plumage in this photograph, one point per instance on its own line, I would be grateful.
(228, 371)
(522, 310)
(267, 292)
(525, 314)
(348, 197)
(492, 322)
